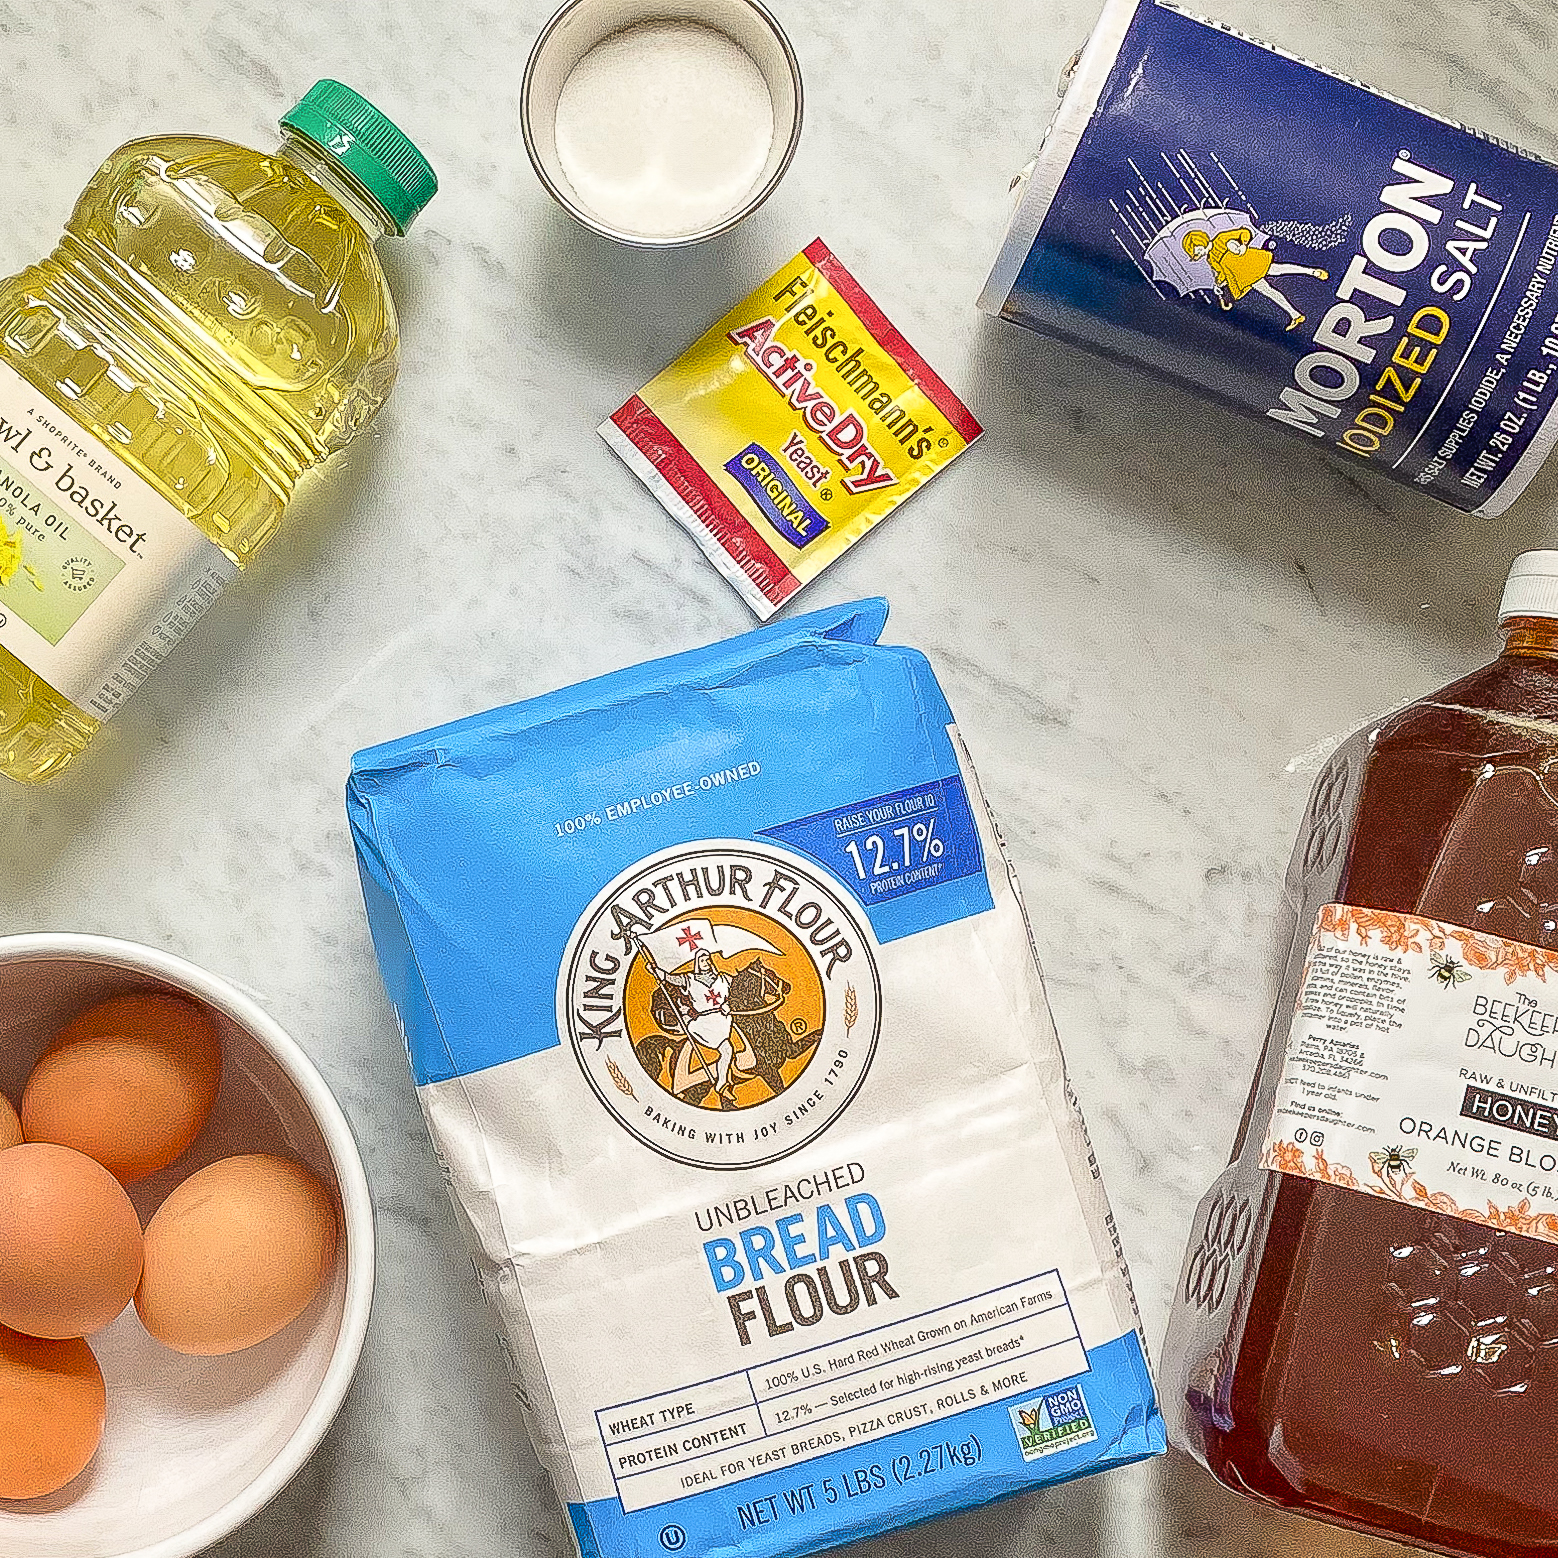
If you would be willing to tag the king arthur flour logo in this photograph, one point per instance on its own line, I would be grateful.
(722, 1001)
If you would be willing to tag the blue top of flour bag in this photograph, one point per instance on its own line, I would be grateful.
(481, 841)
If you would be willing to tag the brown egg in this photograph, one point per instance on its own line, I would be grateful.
(51, 1413)
(70, 1242)
(129, 1083)
(10, 1126)
(235, 1254)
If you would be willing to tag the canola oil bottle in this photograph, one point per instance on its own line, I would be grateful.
(1366, 1328)
(213, 323)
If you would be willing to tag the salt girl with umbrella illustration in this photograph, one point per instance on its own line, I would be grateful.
(1200, 243)
(1238, 260)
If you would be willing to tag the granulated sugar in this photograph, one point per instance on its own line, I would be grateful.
(664, 128)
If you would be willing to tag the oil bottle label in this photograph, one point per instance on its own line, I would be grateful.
(1422, 1067)
(99, 574)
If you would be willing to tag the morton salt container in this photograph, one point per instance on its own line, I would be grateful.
(1292, 244)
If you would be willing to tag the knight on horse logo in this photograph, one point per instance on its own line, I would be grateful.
(716, 1027)
(722, 1001)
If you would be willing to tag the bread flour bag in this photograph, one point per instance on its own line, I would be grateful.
(726, 1023)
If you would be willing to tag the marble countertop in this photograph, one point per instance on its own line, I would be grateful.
(1151, 619)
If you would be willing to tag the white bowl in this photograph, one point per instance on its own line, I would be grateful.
(195, 1446)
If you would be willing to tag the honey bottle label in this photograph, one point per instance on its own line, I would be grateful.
(100, 575)
(1422, 1067)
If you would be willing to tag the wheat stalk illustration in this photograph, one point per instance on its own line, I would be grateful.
(623, 1085)
(851, 1010)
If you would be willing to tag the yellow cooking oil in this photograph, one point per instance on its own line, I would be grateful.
(213, 324)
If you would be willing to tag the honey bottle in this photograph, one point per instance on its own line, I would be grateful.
(1366, 1326)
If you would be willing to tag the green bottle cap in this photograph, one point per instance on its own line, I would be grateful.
(369, 146)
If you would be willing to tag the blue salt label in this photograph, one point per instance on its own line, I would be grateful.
(1288, 242)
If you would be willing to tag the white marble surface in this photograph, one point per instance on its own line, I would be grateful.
(1151, 620)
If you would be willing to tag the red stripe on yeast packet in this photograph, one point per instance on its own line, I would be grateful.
(712, 509)
(920, 373)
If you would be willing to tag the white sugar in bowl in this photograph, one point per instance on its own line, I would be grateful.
(659, 123)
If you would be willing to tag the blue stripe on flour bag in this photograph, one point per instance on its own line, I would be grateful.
(777, 496)
(893, 845)
(478, 852)
(1222, 192)
(974, 1457)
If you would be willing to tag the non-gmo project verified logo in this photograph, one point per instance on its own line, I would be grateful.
(1052, 1422)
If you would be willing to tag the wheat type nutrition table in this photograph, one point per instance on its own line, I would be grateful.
(915, 1370)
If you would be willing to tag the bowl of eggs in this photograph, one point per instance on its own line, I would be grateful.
(186, 1253)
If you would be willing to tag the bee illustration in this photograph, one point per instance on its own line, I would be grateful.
(1393, 1160)
(1448, 971)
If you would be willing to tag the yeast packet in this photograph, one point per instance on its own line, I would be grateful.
(728, 1029)
(790, 428)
